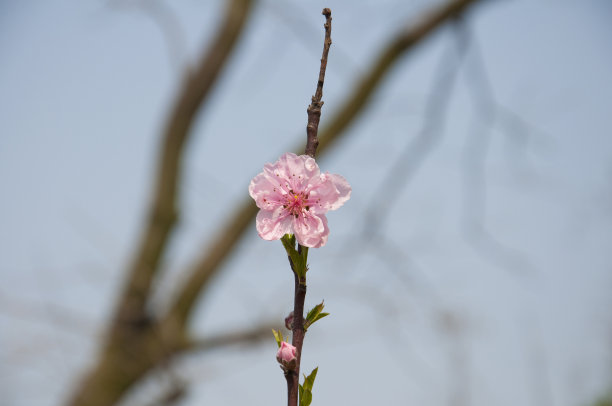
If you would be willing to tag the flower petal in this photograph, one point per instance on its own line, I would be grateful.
(273, 224)
(294, 196)
(311, 230)
(265, 192)
(294, 171)
(328, 192)
(343, 188)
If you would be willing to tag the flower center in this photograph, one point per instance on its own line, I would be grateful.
(295, 203)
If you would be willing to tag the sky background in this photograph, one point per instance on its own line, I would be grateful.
(426, 309)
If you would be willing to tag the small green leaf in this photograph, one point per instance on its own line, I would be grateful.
(305, 390)
(314, 314)
(309, 380)
(297, 259)
(306, 398)
(300, 394)
(278, 336)
(319, 317)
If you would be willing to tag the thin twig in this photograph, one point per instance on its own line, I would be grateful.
(314, 110)
(293, 377)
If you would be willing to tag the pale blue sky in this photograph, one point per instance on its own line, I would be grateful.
(84, 88)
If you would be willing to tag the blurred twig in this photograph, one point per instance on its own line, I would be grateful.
(417, 149)
(169, 25)
(410, 160)
(132, 345)
(46, 313)
(163, 212)
(250, 335)
(476, 150)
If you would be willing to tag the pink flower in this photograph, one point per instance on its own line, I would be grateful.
(286, 356)
(294, 196)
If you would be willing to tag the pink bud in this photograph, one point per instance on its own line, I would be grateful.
(286, 356)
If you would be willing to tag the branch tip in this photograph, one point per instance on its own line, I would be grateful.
(314, 110)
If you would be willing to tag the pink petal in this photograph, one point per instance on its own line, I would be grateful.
(343, 188)
(273, 224)
(265, 192)
(311, 230)
(328, 192)
(297, 177)
(294, 171)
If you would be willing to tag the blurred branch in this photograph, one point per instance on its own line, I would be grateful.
(168, 23)
(488, 110)
(135, 343)
(163, 212)
(251, 335)
(46, 313)
(176, 389)
(170, 27)
(405, 41)
(230, 233)
(406, 165)
(138, 343)
(417, 150)
(454, 327)
(171, 396)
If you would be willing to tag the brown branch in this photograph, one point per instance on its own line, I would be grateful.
(132, 346)
(312, 142)
(297, 340)
(163, 212)
(314, 110)
(242, 218)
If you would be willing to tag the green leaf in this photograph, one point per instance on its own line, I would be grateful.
(306, 398)
(314, 314)
(305, 390)
(309, 380)
(278, 336)
(320, 316)
(297, 259)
